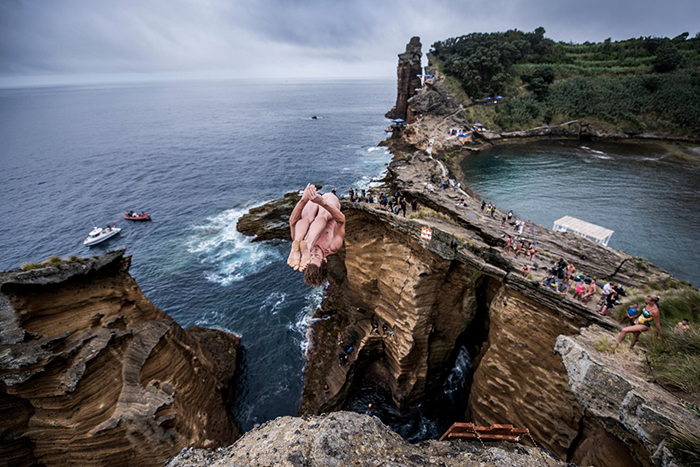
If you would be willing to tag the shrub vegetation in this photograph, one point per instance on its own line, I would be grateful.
(634, 85)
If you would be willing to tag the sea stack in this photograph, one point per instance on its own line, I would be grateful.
(407, 72)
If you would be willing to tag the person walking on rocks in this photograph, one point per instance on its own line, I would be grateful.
(650, 314)
(318, 230)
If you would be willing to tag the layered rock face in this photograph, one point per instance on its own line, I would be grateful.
(342, 439)
(92, 373)
(408, 71)
(641, 414)
(425, 301)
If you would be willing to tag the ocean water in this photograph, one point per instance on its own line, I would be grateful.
(196, 156)
(639, 191)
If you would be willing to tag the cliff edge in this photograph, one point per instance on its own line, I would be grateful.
(92, 373)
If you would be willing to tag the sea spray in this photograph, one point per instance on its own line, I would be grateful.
(231, 255)
(305, 317)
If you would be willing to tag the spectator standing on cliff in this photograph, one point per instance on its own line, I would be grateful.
(508, 242)
(510, 215)
(483, 205)
(414, 205)
(518, 248)
(403, 206)
(318, 230)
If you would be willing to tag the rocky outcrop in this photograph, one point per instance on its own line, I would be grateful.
(342, 439)
(92, 373)
(640, 414)
(269, 221)
(408, 71)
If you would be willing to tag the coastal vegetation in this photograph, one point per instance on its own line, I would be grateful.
(634, 85)
(53, 261)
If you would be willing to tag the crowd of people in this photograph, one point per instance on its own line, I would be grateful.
(560, 278)
(397, 203)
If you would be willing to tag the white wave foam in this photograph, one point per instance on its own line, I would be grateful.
(231, 255)
(600, 154)
(305, 317)
(273, 303)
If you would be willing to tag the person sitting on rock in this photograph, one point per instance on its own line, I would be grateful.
(590, 291)
(318, 230)
(525, 270)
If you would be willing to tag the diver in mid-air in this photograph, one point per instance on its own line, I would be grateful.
(318, 229)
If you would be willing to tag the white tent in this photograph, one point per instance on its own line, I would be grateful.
(585, 229)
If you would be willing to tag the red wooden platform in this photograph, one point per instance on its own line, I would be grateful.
(490, 433)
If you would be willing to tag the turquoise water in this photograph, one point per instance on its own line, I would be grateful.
(638, 191)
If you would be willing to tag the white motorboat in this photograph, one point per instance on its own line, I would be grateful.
(98, 234)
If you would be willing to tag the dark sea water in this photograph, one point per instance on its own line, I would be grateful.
(195, 155)
(639, 191)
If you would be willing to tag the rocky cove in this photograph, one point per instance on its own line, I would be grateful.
(92, 373)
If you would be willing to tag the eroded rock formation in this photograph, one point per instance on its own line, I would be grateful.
(343, 439)
(269, 221)
(92, 373)
(407, 71)
(641, 414)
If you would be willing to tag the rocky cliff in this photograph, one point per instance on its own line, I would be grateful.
(407, 71)
(613, 390)
(92, 373)
(343, 439)
(461, 289)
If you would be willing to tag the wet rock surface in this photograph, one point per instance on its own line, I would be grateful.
(92, 373)
(343, 438)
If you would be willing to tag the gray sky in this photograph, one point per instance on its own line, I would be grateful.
(62, 41)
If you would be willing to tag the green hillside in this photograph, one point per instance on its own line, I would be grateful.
(645, 84)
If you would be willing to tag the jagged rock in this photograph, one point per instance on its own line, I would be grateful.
(641, 414)
(343, 439)
(269, 221)
(408, 69)
(92, 373)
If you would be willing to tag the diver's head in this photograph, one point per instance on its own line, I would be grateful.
(315, 274)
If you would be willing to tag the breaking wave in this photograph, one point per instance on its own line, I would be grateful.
(231, 255)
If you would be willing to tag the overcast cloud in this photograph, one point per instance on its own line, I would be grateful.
(43, 42)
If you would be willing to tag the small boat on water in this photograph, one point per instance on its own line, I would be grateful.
(98, 234)
(137, 216)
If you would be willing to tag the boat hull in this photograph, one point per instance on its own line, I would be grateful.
(94, 241)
